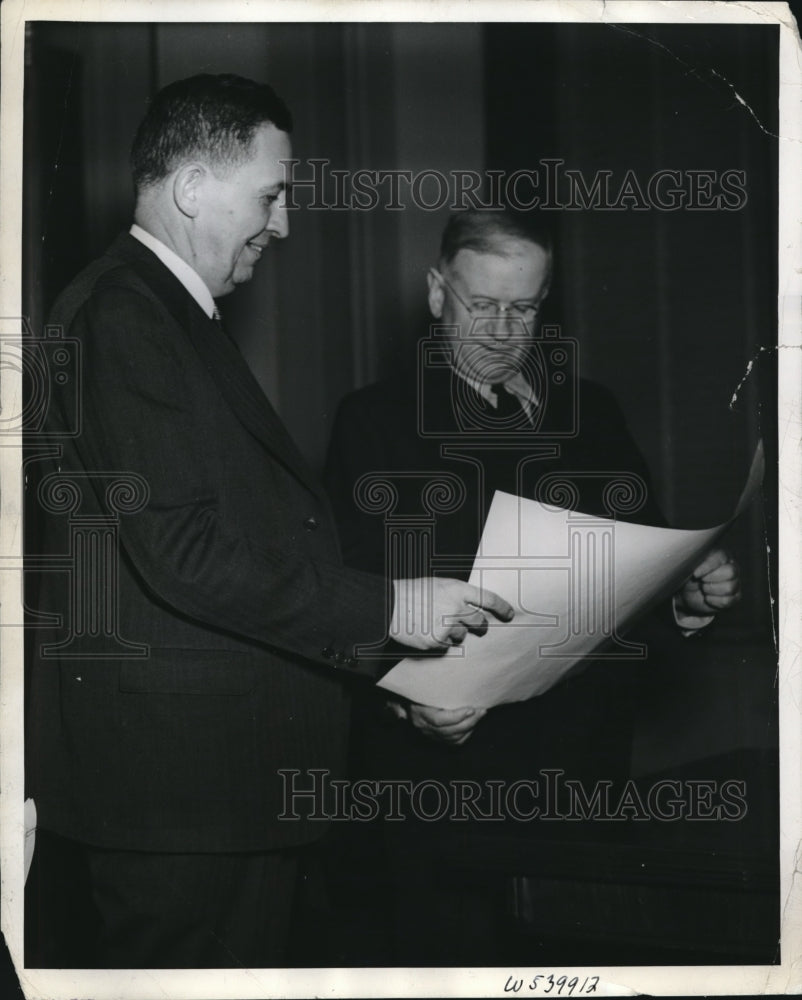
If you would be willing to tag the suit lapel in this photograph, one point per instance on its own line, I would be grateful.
(244, 395)
(220, 357)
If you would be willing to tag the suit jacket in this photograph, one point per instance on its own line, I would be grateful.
(416, 426)
(411, 429)
(211, 652)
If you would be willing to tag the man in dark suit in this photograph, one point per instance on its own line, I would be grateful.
(205, 621)
(492, 404)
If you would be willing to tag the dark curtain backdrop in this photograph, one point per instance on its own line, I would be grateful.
(668, 307)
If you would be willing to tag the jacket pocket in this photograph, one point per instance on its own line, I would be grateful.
(189, 671)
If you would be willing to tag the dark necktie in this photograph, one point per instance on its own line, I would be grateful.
(508, 405)
(218, 322)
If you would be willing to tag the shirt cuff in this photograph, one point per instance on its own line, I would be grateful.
(689, 624)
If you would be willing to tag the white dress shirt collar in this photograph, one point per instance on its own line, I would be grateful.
(188, 277)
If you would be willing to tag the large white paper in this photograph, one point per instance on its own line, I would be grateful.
(577, 583)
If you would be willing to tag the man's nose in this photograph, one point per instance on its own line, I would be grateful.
(501, 326)
(278, 225)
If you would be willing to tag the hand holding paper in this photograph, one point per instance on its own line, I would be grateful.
(577, 582)
(714, 585)
(446, 725)
(435, 613)
(443, 725)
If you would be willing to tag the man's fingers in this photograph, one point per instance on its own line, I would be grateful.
(714, 561)
(480, 629)
(727, 571)
(702, 598)
(473, 620)
(458, 729)
(720, 603)
(476, 623)
(456, 634)
(435, 613)
(398, 710)
(449, 725)
(443, 716)
(727, 588)
(717, 589)
(707, 565)
(489, 601)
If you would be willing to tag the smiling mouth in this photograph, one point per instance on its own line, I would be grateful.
(257, 247)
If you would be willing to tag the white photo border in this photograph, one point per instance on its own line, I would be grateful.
(131, 985)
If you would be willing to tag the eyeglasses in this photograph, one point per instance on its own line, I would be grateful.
(483, 308)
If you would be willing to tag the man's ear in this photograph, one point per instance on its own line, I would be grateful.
(436, 293)
(187, 187)
(550, 274)
(544, 294)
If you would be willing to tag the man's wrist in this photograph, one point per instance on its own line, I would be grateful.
(687, 622)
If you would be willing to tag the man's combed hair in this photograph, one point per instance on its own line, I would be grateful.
(205, 117)
(486, 231)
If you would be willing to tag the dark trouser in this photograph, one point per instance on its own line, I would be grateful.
(130, 909)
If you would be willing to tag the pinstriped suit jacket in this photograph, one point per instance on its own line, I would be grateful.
(229, 584)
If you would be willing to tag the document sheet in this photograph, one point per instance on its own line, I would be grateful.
(577, 583)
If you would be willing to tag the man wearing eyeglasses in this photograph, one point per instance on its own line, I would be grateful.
(496, 299)
(489, 405)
